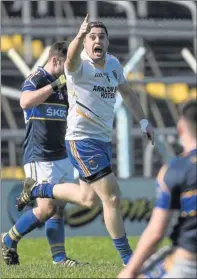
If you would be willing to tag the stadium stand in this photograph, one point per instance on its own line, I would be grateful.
(163, 57)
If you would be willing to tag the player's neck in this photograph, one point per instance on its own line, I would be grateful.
(100, 63)
(189, 146)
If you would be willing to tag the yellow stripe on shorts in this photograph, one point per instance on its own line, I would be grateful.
(76, 155)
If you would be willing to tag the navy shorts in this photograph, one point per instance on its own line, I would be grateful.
(92, 158)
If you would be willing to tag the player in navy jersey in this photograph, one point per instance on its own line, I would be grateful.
(44, 102)
(176, 190)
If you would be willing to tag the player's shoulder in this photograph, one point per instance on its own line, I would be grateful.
(32, 77)
(173, 165)
(174, 171)
(177, 162)
(112, 59)
(114, 64)
(167, 175)
(38, 72)
(36, 80)
(183, 160)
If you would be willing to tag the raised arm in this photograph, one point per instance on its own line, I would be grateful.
(75, 48)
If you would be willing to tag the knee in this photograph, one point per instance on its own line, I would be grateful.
(45, 212)
(90, 202)
(113, 201)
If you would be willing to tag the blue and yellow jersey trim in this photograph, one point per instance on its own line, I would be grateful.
(189, 194)
(47, 111)
(163, 199)
(161, 176)
(189, 203)
(172, 189)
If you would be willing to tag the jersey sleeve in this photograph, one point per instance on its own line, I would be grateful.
(77, 73)
(121, 77)
(35, 81)
(28, 85)
(167, 188)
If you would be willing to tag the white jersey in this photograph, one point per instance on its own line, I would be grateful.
(92, 94)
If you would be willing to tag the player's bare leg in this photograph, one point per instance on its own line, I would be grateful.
(85, 195)
(82, 195)
(108, 191)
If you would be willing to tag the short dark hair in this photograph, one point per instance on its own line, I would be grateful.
(58, 49)
(97, 24)
(188, 111)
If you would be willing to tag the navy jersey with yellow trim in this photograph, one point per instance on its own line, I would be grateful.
(177, 189)
(46, 123)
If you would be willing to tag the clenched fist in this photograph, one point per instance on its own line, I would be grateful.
(59, 83)
(84, 28)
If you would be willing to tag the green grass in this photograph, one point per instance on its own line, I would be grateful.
(35, 259)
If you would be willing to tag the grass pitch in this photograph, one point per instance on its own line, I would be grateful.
(36, 262)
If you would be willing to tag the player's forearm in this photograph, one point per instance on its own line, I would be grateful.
(134, 105)
(31, 99)
(132, 101)
(73, 54)
(145, 248)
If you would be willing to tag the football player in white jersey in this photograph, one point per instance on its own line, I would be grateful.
(93, 79)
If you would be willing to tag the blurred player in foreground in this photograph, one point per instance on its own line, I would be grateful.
(93, 80)
(176, 190)
(45, 104)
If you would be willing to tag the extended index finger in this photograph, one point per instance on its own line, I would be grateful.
(86, 18)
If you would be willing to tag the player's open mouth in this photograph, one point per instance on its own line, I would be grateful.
(98, 50)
